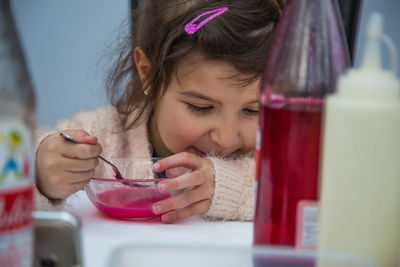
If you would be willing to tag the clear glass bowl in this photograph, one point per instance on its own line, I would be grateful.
(131, 198)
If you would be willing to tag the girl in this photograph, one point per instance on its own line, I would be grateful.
(185, 87)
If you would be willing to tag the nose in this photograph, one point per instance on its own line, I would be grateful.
(226, 135)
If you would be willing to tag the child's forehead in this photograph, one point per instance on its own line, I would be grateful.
(212, 77)
(197, 64)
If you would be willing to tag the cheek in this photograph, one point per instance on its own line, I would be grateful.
(249, 135)
(178, 130)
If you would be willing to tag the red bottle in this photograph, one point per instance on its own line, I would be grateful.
(307, 55)
(17, 111)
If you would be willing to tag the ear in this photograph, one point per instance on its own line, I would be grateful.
(143, 65)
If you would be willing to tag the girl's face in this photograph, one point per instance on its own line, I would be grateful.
(204, 111)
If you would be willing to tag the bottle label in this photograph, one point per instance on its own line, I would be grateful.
(307, 224)
(16, 155)
(16, 194)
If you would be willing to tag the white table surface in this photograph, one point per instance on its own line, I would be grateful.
(101, 235)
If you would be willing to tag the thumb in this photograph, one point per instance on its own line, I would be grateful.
(85, 138)
(88, 139)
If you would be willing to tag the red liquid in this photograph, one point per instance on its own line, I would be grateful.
(129, 203)
(288, 169)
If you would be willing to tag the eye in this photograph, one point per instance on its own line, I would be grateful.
(251, 112)
(199, 109)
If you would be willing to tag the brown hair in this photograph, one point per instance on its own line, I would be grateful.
(241, 37)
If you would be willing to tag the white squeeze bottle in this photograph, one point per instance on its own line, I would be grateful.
(360, 193)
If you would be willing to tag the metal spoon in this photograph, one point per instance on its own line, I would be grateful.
(118, 174)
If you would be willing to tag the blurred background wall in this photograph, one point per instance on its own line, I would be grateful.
(65, 42)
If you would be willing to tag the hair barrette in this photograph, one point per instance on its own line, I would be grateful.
(191, 27)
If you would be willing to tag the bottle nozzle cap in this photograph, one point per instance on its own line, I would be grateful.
(375, 26)
(371, 79)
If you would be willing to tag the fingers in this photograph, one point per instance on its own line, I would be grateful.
(199, 181)
(181, 182)
(54, 164)
(72, 179)
(186, 204)
(56, 144)
(184, 199)
(80, 165)
(89, 139)
(88, 149)
(64, 184)
(201, 171)
(174, 172)
(63, 167)
(82, 136)
(183, 159)
(194, 209)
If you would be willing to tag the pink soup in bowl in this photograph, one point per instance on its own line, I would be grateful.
(131, 198)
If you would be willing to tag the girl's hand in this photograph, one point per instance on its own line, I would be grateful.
(63, 167)
(199, 184)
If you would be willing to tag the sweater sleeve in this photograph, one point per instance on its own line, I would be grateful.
(233, 197)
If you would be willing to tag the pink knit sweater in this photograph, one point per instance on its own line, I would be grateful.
(233, 198)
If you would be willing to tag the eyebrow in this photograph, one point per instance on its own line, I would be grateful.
(201, 96)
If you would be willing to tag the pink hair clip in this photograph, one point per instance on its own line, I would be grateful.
(191, 27)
